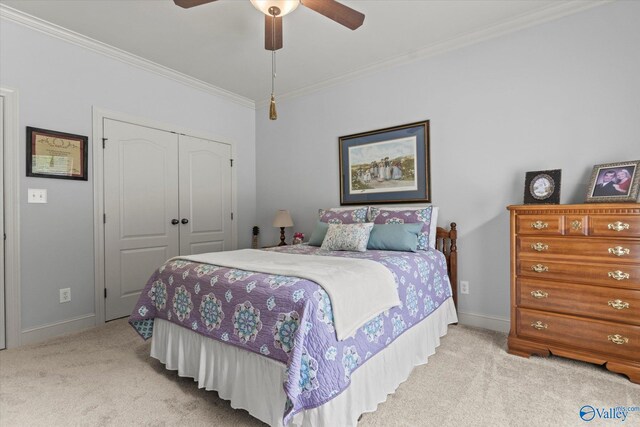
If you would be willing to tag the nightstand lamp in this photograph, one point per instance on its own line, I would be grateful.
(282, 220)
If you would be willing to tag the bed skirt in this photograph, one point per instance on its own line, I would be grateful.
(253, 382)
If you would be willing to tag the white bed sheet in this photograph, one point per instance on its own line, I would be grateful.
(253, 382)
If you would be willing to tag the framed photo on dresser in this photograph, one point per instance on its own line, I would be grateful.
(614, 182)
(542, 187)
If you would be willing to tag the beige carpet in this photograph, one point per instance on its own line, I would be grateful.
(105, 377)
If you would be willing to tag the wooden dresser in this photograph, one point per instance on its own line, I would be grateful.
(575, 283)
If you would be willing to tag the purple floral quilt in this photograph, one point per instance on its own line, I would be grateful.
(290, 319)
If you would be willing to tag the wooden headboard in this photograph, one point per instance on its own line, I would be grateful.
(446, 243)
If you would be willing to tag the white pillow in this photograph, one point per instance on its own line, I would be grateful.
(347, 237)
(433, 227)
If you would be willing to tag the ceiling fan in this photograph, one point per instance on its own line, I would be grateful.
(274, 10)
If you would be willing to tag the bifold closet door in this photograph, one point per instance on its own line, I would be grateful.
(141, 207)
(205, 195)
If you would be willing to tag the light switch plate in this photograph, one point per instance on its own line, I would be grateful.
(36, 195)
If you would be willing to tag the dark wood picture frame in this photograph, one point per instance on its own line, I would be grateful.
(542, 187)
(51, 154)
(622, 183)
(390, 165)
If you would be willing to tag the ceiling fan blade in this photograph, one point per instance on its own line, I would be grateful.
(191, 3)
(268, 33)
(338, 12)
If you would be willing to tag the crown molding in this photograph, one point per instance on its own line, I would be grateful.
(520, 22)
(549, 13)
(78, 39)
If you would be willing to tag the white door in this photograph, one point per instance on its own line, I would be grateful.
(2, 311)
(141, 209)
(205, 196)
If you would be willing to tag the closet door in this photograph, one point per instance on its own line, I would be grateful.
(141, 208)
(205, 196)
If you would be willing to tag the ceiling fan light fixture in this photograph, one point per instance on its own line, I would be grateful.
(283, 6)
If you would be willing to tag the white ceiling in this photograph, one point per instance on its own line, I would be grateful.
(222, 43)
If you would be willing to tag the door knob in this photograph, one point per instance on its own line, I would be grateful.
(184, 221)
(174, 221)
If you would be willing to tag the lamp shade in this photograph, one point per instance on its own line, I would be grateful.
(285, 6)
(282, 219)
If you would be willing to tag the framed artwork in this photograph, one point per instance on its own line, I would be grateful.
(386, 166)
(614, 182)
(542, 187)
(52, 154)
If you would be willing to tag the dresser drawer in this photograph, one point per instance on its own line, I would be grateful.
(614, 225)
(614, 274)
(597, 335)
(540, 224)
(609, 249)
(620, 305)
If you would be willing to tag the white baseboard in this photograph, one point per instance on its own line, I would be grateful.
(483, 321)
(51, 330)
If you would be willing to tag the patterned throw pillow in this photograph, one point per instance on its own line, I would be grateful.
(405, 216)
(347, 237)
(343, 216)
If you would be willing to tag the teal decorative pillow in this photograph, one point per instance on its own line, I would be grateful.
(347, 237)
(406, 216)
(395, 237)
(318, 234)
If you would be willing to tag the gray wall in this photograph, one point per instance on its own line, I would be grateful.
(562, 95)
(58, 83)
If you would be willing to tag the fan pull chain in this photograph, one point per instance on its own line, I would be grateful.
(273, 114)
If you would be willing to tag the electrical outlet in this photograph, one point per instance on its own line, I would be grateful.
(464, 287)
(65, 295)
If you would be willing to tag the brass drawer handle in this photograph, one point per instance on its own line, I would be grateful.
(538, 294)
(576, 225)
(539, 325)
(539, 225)
(618, 339)
(618, 304)
(619, 251)
(539, 246)
(619, 226)
(618, 275)
(539, 268)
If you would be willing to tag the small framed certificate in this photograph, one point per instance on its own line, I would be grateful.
(52, 154)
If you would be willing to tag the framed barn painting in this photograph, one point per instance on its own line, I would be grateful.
(388, 165)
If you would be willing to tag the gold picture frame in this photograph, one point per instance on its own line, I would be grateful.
(59, 155)
(614, 182)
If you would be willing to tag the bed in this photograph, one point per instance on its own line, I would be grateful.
(268, 343)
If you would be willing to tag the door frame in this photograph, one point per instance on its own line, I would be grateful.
(11, 203)
(99, 114)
